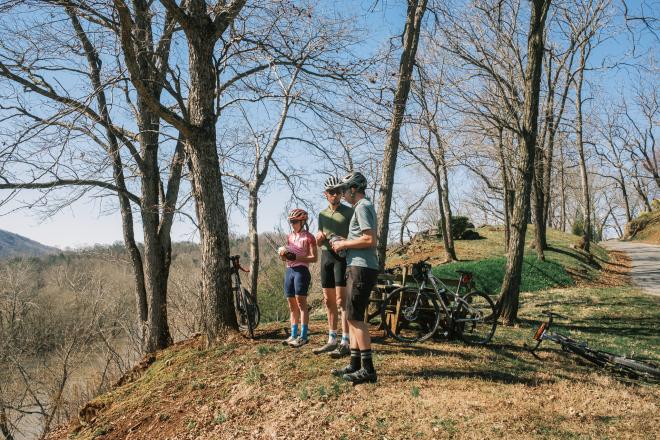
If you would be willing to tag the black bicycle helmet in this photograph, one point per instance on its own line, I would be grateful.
(355, 180)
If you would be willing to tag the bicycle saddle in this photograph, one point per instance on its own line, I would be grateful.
(464, 272)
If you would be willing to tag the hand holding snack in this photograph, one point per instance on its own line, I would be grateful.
(285, 254)
(337, 244)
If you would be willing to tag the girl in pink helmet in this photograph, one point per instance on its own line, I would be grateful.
(298, 253)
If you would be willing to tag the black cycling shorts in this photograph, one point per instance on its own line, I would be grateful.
(360, 283)
(333, 270)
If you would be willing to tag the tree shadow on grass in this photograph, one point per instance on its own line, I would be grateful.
(604, 326)
(270, 335)
(423, 351)
(645, 327)
(493, 375)
(580, 256)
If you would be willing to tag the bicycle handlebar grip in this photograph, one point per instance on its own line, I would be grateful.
(539, 332)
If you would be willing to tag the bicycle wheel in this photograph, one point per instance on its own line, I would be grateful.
(473, 318)
(409, 315)
(632, 368)
(249, 314)
(253, 311)
(635, 368)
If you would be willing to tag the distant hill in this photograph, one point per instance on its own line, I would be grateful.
(14, 245)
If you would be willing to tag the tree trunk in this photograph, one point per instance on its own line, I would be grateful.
(562, 184)
(141, 291)
(539, 222)
(643, 195)
(624, 194)
(450, 249)
(218, 315)
(416, 9)
(508, 199)
(584, 177)
(442, 186)
(444, 227)
(253, 236)
(508, 303)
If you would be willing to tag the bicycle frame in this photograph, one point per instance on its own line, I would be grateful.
(440, 288)
(543, 333)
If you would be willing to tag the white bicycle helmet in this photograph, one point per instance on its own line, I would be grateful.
(332, 182)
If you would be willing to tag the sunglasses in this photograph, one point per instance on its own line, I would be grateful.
(294, 221)
(333, 192)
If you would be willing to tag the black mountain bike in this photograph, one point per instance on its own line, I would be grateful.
(621, 365)
(245, 304)
(413, 314)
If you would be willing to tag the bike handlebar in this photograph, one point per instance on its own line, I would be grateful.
(551, 314)
(236, 263)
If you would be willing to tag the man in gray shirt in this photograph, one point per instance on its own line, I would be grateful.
(362, 273)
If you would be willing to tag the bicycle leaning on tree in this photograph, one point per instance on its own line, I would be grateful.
(413, 314)
(245, 304)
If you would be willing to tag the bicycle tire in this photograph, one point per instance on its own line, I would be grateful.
(621, 365)
(252, 312)
(248, 314)
(412, 325)
(473, 319)
(637, 368)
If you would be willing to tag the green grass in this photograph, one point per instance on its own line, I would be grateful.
(563, 261)
(537, 275)
(620, 319)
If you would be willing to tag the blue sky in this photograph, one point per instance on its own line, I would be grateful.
(87, 221)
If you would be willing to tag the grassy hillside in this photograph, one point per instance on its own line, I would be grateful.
(564, 266)
(438, 389)
(645, 228)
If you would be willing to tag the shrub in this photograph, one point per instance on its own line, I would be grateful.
(459, 224)
(470, 234)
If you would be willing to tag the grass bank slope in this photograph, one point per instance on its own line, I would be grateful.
(645, 228)
(565, 264)
(437, 389)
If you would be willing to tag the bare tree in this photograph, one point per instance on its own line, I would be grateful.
(643, 128)
(414, 16)
(508, 303)
(410, 208)
(40, 73)
(308, 68)
(431, 155)
(203, 25)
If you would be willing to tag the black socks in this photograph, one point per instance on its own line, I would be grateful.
(367, 363)
(362, 359)
(355, 359)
